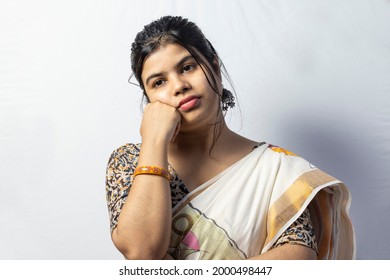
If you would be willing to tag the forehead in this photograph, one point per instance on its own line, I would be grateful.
(163, 59)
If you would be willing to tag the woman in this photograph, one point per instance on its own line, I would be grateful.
(195, 189)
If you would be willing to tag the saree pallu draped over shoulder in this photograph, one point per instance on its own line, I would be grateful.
(242, 211)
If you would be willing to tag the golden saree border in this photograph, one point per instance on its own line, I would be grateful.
(316, 188)
(292, 200)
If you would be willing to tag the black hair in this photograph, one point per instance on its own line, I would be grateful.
(177, 30)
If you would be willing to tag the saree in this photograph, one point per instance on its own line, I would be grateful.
(242, 211)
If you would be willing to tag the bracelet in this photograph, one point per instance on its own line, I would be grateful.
(152, 170)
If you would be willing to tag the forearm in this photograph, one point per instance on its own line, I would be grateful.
(143, 229)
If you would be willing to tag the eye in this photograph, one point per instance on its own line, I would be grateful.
(188, 67)
(158, 83)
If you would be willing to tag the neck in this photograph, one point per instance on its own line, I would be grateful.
(202, 142)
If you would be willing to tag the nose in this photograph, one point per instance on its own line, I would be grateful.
(179, 84)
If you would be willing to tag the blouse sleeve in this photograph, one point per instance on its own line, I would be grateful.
(119, 178)
(301, 232)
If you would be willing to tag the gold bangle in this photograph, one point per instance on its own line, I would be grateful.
(152, 170)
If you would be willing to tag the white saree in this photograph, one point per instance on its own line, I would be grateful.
(242, 211)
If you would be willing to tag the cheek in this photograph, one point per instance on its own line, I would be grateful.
(206, 88)
(202, 80)
(161, 95)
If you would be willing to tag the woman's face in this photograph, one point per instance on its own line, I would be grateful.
(172, 76)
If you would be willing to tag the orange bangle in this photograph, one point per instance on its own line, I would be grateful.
(152, 170)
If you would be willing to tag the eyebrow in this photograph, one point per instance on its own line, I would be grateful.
(181, 62)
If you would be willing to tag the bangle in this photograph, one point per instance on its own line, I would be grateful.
(152, 170)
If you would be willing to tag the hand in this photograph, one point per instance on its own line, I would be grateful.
(161, 122)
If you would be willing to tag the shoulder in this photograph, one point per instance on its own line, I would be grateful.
(279, 151)
(287, 159)
(126, 153)
(292, 167)
(128, 148)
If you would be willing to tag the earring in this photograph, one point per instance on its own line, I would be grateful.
(227, 100)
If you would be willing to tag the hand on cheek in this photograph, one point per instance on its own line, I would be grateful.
(160, 123)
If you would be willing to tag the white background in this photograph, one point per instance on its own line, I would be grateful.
(311, 76)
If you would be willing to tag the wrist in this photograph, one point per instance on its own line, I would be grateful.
(153, 153)
(152, 170)
(155, 142)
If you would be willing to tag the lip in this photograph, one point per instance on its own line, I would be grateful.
(188, 103)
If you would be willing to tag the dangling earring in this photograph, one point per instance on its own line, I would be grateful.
(227, 100)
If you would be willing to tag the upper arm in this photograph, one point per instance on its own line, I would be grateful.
(119, 172)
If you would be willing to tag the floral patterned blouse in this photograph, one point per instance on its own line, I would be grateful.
(119, 179)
